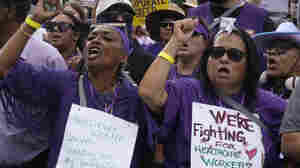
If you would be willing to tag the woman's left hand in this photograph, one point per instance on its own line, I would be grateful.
(73, 62)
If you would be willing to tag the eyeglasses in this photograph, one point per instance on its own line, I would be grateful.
(112, 16)
(233, 54)
(58, 26)
(269, 53)
(166, 24)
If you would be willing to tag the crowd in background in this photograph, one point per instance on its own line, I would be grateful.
(148, 74)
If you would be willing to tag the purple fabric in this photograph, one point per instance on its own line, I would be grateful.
(202, 30)
(40, 53)
(174, 75)
(57, 90)
(155, 48)
(125, 40)
(250, 18)
(175, 132)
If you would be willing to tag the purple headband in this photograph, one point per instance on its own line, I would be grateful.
(125, 39)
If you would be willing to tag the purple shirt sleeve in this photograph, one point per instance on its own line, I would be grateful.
(40, 53)
(271, 109)
(171, 110)
(32, 84)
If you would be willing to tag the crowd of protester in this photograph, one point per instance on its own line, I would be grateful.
(196, 51)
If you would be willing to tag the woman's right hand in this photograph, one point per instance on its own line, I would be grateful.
(183, 29)
(40, 14)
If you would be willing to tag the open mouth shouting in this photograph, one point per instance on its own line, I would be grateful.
(94, 52)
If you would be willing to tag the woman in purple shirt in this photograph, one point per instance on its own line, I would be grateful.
(230, 65)
(51, 93)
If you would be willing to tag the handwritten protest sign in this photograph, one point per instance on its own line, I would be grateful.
(96, 139)
(224, 138)
(144, 7)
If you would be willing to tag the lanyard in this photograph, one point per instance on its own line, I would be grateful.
(108, 108)
(83, 100)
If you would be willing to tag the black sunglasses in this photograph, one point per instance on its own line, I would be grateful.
(233, 54)
(58, 26)
(166, 24)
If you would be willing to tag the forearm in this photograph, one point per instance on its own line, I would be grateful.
(290, 146)
(152, 87)
(13, 48)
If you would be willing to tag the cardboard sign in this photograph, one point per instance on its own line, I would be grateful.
(96, 139)
(144, 7)
(224, 138)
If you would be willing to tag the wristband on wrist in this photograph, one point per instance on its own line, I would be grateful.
(33, 24)
(167, 57)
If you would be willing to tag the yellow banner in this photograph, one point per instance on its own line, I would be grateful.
(144, 7)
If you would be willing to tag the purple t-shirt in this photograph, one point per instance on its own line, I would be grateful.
(55, 91)
(173, 74)
(155, 48)
(175, 131)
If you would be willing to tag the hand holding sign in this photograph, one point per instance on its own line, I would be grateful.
(96, 139)
(224, 138)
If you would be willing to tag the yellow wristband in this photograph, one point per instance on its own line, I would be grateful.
(167, 57)
(33, 24)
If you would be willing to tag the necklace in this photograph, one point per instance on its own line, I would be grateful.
(106, 100)
(108, 108)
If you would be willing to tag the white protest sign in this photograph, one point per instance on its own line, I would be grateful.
(224, 138)
(96, 139)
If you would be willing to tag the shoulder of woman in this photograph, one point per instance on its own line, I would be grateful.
(268, 99)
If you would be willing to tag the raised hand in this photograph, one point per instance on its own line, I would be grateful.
(40, 14)
(183, 29)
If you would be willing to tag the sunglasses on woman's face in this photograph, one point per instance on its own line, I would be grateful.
(233, 54)
(166, 24)
(58, 26)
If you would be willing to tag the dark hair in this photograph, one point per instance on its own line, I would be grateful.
(80, 27)
(284, 44)
(22, 8)
(119, 7)
(79, 10)
(250, 84)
